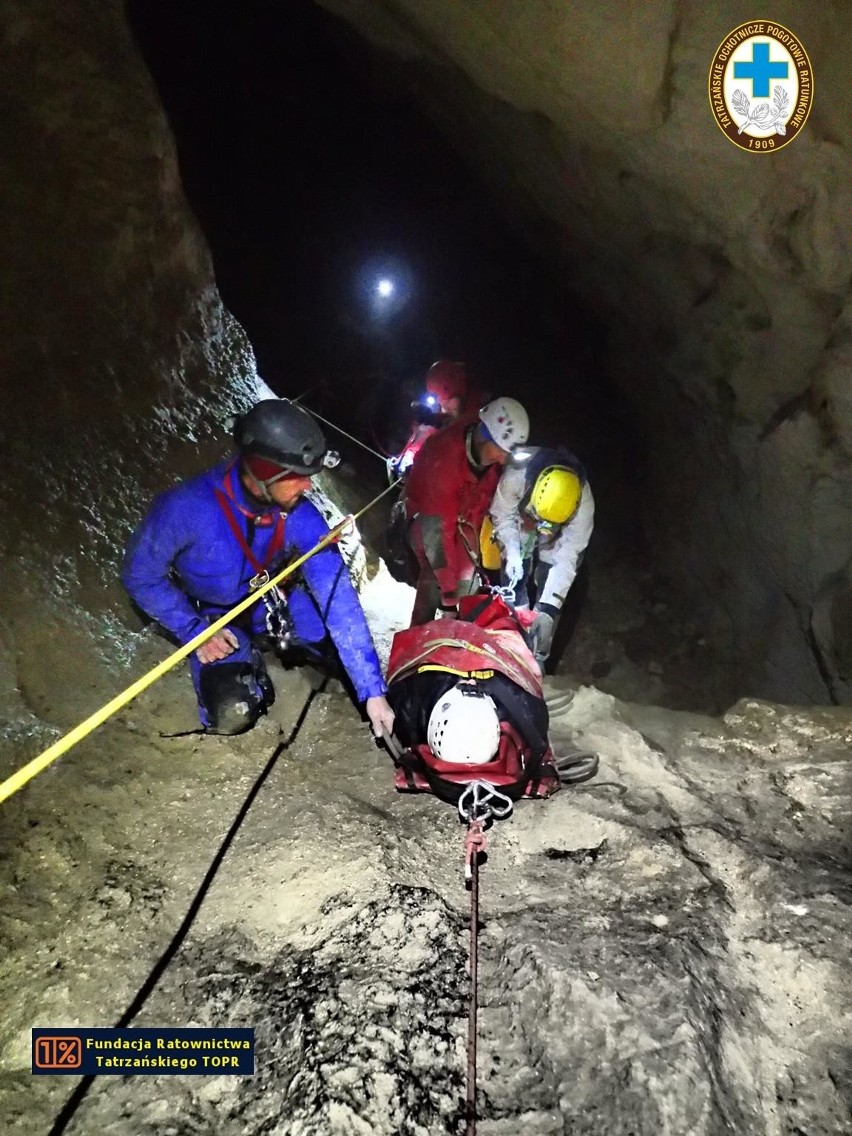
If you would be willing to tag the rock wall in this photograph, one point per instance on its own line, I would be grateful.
(724, 278)
(118, 362)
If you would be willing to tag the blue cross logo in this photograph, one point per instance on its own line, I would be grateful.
(760, 71)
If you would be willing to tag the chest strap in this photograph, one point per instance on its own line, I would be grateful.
(276, 545)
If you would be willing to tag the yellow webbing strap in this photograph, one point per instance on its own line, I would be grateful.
(432, 644)
(452, 670)
(32, 768)
(429, 647)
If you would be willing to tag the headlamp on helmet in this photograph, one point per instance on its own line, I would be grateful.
(446, 380)
(519, 457)
(281, 432)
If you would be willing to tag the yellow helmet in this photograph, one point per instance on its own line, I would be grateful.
(555, 495)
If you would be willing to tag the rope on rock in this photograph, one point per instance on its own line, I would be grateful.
(479, 804)
(27, 772)
(69, 1109)
(474, 845)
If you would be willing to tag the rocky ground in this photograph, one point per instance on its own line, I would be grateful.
(663, 950)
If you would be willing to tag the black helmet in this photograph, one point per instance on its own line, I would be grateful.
(284, 433)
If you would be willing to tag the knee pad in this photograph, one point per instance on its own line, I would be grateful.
(232, 697)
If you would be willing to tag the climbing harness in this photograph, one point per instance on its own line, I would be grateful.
(277, 620)
(227, 503)
(26, 773)
(479, 805)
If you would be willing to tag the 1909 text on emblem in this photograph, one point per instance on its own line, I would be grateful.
(760, 86)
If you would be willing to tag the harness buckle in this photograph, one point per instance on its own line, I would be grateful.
(259, 580)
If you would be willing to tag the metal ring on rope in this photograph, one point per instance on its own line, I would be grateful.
(481, 800)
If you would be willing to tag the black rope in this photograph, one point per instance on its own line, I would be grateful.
(73, 1103)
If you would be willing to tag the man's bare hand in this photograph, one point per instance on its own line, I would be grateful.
(380, 714)
(218, 647)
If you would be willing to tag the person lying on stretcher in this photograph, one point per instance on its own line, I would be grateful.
(469, 705)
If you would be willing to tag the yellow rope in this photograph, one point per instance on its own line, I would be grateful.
(32, 768)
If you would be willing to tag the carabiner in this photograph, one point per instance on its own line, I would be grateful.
(481, 800)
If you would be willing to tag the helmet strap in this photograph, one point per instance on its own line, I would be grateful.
(475, 437)
(256, 488)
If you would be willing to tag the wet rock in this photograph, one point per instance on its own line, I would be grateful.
(123, 334)
(662, 948)
(362, 1034)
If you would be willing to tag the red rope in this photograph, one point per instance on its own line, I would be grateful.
(473, 845)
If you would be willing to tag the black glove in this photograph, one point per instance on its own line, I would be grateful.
(541, 632)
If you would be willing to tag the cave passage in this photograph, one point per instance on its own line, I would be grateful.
(314, 176)
(663, 948)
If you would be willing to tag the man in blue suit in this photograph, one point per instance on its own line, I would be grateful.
(209, 541)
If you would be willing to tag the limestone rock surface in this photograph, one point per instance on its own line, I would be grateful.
(662, 949)
(119, 365)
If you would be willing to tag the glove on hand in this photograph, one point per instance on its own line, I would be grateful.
(447, 612)
(393, 469)
(525, 617)
(541, 635)
(514, 573)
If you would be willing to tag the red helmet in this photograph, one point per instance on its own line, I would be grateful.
(446, 380)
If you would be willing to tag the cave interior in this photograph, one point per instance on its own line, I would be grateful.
(201, 198)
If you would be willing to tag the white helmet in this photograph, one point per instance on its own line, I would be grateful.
(506, 421)
(464, 726)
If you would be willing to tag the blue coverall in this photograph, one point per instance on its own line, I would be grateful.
(184, 567)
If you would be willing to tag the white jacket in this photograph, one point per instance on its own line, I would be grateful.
(562, 553)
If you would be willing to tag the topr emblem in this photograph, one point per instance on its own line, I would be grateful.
(761, 86)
